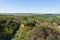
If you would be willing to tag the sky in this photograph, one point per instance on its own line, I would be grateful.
(29, 6)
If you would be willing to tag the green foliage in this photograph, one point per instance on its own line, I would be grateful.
(35, 27)
(44, 33)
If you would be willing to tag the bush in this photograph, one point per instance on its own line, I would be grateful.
(44, 33)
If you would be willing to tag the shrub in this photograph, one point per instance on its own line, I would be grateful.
(44, 33)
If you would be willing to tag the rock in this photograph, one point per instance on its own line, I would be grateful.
(22, 25)
(14, 39)
(58, 26)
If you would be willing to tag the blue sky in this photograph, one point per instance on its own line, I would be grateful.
(29, 6)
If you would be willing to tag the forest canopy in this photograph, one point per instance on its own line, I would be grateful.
(31, 27)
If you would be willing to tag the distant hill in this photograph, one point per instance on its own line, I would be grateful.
(19, 14)
(28, 14)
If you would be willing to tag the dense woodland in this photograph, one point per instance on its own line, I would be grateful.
(33, 27)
